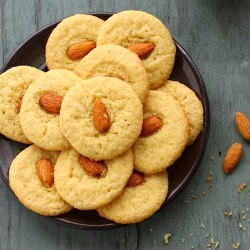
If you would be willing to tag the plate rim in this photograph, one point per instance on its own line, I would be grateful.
(188, 177)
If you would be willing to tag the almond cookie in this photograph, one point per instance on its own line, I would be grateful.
(191, 105)
(164, 134)
(138, 202)
(31, 179)
(71, 40)
(101, 117)
(86, 184)
(39, 116)
(13, 85)
(115, 61)
(145, 35)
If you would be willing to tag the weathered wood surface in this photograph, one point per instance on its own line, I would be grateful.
(217, 35)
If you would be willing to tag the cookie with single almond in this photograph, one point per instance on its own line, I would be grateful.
(13, 85)
(115, 61)
(147, 37)
(41, 105)
(87, 184)
(139, 201)
(164, 134)
(101, 117)
(71, 40)
(31, 178)
(190, 103)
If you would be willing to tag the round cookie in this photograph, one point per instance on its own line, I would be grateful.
(41, 127)
(138, 203)
(158, 151)
(24, 182)
(72, 30)
(125, 112)
(115, 61)
(86, 192)
(13, 84)
(131, 27)
(191, 105)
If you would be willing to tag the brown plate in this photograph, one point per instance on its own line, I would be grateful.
(31, 52)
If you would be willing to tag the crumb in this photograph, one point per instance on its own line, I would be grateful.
(193, 196)
(243, 212)
(243, 217)
(183, 240)
(202, 225)
(216, 244)
(204, 193)
(248, 221)
(166, 238)
(155, 241)
(212, 159)
(228, 213)
(190, 235)
(236, 246)
(242, 186)
(186, 201)
(192, 247)
(247, 209)
(209, 185)
(207, 235)
(151, 229)
(241, 227)
(209, 179)
(211, 173)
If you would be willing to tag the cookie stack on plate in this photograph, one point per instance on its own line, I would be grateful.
(105, 121)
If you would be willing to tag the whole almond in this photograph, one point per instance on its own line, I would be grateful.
(232, 157)
(243, 125)
(45, 172)
(135, 179)
(79, 50)
(101, 118)
(143, 50)
(19, 104)
(91, 167)
(151, 125)
(51, 103)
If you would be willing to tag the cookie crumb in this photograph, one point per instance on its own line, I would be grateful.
(209, 179)
(242, 186)
(202, 225)
(228, 213)
(236, 246)
(212, 159)
(241, 227)
(166, 238)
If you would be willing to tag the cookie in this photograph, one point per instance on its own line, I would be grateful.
(26, 185)
(131, 27)
(191, 105)
(137, 203)
(84, 191)
(115, 61)
(40, 126)
(123, 108)
(158, 151)
(78, 30)
(13, 85)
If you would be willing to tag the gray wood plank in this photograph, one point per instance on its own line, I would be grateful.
(216, 34)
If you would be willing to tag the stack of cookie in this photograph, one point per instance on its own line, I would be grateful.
(105, 122)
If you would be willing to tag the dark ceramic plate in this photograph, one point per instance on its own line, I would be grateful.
(31, 52)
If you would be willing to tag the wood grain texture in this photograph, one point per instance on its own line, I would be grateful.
(216, 34)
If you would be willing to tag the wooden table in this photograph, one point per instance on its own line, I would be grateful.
(217, 36)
